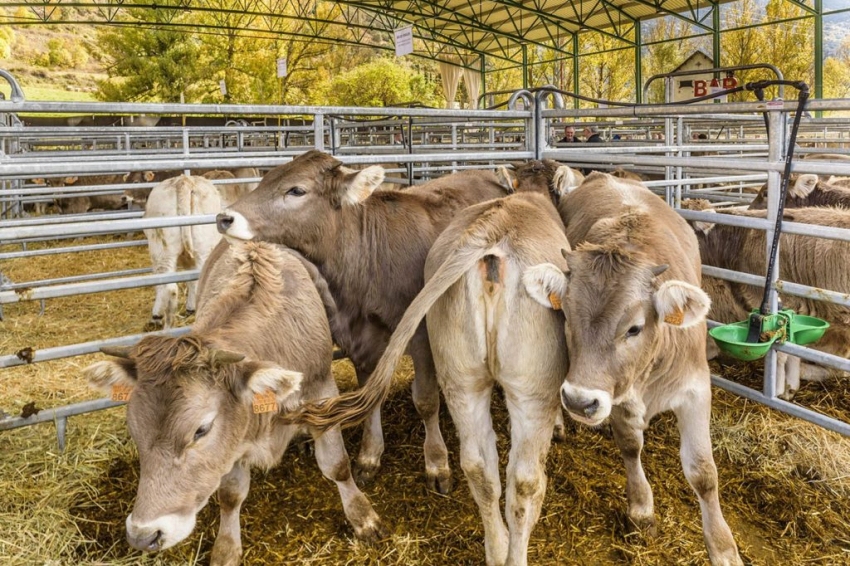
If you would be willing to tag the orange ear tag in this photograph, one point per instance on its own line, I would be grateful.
(265, 403)
(121, 393)
(555, 301)
(676, 318)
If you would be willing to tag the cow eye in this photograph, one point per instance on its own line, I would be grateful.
(202, 431)
(634, 331)
(296, 192)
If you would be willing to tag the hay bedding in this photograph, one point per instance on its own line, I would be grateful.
(784, 483)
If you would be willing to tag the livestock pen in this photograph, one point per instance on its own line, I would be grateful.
(783, 480)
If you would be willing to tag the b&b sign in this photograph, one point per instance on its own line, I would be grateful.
(704, 87)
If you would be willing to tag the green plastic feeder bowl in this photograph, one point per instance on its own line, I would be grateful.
(732, 339)
(806, 329)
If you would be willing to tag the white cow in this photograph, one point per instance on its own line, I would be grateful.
(187, 246)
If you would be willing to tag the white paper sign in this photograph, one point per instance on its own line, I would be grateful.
(404, 41)
(223, 86)
(281, 67)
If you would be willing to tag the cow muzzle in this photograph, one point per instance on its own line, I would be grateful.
(159, 534)
(587, 406)
(233, 226)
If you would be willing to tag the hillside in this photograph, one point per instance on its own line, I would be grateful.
(54, 62)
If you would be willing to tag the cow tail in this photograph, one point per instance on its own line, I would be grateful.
(185, 197)
(352, 408)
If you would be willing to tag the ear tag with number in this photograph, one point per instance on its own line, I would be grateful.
(265, 403)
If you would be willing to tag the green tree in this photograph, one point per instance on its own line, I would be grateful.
(7, 36)
(381, 82)
(151, 62)
(606, 70)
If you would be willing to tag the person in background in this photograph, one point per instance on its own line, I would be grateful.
(591, 134)
(569, 135)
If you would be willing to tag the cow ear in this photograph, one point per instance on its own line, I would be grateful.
(805, 184)
(71, 180)
(115, 378)
(507, 178)
(269, 384)
(681, 304)
(149, 176)
(547, 284)
(566, 180)
(357, 186)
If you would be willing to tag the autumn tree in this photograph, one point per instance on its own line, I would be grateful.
(150, 61)
(381, 82)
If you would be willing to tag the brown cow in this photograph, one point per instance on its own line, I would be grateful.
(205, 408)
(540, 176)
(231, 192)
(81, 204)
(808, 190)
(485, 330)
(371, 250)
(809, 261)
(636, 336)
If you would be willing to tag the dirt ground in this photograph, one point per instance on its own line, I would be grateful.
(784, 483)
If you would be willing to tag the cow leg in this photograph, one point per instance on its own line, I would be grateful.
(693, 415)
(791, 375)
(629, 439)
(559, 433)
(426, 398)
(479, 459)
(368, 460)
(333, 461)
(532, 421)
(227, 550)
(163, 260)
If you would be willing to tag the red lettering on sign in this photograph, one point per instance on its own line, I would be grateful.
(700, 88)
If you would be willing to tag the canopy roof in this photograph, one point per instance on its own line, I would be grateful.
(448, 29)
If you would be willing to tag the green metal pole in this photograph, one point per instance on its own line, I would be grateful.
(818, 48)
(715, 33)
(524, 65)
(483, 77)
(638, 64)
(575, 70)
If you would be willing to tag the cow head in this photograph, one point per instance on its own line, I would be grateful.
(296, 204)
(542, 176)
(799, 190)
(619, 314)
(190, 406)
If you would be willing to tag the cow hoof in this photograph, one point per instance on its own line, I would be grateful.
(646, 526)
(559, 433)
(788, 395)
(365, 473)
(441, 482)
(225, 552)
(371, 531)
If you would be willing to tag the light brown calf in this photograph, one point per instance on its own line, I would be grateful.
(206, 407)
(635, 332)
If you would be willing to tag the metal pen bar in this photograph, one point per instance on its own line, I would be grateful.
(819, 419)
(75, 279)
(72, 249)
(787, 287)
(69, 289)
(92, 347)
(102, 227)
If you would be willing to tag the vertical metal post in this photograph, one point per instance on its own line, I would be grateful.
(186, 148)
(454, 146)
(819, 52)
(61, 427)
(319, 131)
(575, 70)
(715, 34)
(524, 65)
(668, 170)
(776, 129)
(680, 130)
(483, 81)
(638, 62)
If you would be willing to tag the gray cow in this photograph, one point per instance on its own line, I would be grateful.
(486, 330)
(636, 336)
(206, 407)
(371, 248)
